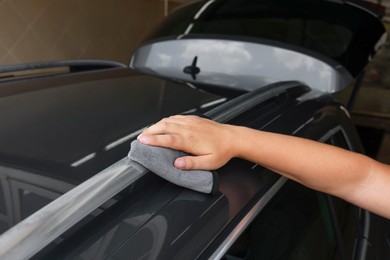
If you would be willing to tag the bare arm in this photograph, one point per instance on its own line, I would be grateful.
(351, 176)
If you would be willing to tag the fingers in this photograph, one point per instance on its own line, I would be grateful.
(164, 140)
(170, 132)
(163, 133)
(195, 162)
(174, 124)
(164, 126)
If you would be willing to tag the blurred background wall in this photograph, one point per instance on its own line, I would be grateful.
(371, 111)
(36, 30)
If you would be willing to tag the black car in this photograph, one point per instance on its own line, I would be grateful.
(68, 190)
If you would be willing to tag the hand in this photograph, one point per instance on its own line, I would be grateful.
(210, 144)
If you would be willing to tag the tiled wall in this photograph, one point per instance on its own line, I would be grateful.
(36, 30)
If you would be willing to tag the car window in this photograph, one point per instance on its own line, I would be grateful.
(296, 224)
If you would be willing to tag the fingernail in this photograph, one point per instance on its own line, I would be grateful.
(143, 139)
(180, 163)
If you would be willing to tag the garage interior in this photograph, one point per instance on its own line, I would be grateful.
(43, 30)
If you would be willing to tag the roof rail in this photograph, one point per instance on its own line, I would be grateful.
(51, 67)
(41, 228)
(74, 65)
(236, 106)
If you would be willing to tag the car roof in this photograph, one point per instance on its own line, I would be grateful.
(58, 131)
(146, 207)
(72, 121)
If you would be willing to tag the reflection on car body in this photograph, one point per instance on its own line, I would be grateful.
(268, 65)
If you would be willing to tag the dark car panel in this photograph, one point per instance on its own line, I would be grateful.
(153, 218)
(75, 126)
(89, 115)
(242, 184)
(269, 65)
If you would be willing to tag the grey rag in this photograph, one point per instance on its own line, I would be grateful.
(160, 161)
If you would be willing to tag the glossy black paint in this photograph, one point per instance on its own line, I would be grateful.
(151, 218)
(67, 121)
(159, 220)
(59, 131)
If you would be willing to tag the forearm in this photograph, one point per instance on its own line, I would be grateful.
(319, 166)
(345, 174)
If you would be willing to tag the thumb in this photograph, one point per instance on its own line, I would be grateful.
(193, 163)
